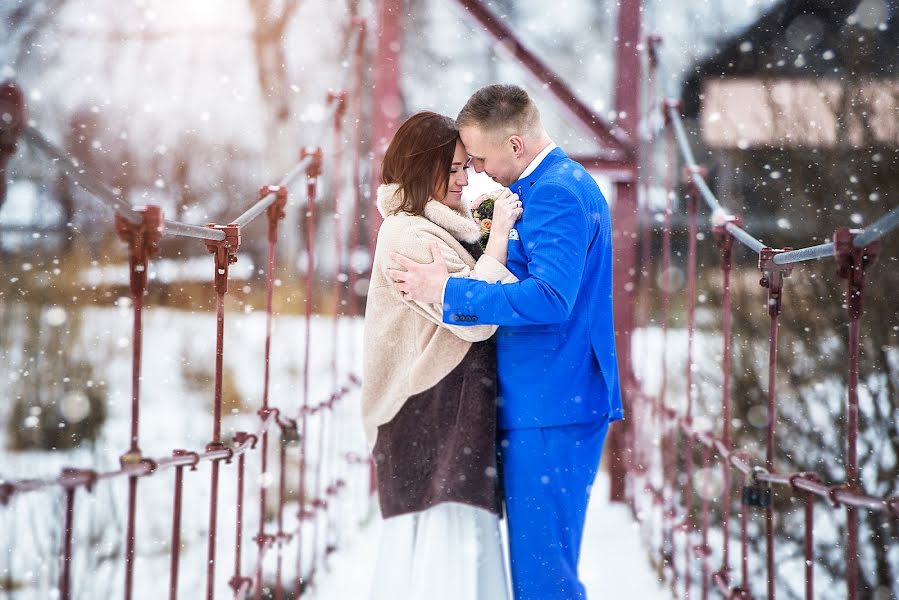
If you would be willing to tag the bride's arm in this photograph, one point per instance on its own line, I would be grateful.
(506, 211)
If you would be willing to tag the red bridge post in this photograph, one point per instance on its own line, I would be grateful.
(12, 124)
(143, 244)
(224, 254)
(773, 276)
(725, 246)
(313, 172)
(693, 211)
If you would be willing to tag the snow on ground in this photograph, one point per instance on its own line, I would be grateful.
(176, 414)
(614, 564)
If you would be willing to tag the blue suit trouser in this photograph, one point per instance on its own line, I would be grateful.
(547, 476)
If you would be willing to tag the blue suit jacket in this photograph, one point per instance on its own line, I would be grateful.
(556, 342)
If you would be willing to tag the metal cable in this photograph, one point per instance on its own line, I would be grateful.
(811, 253)
(80, 177)
(705, 192)
(742, 236)
(871, 233)
(259, 207)
(681, 135)
(877, 229)
(194, 231)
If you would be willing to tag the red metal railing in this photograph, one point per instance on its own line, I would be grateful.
(323, 473)
(855, 252)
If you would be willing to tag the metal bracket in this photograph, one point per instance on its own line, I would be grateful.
(723, 239)
(314, 170)
(275, 211)
(143, 243)
(687, 180)
(339, 96)
(242, 437)
(240, 585)
(225, 252)
(12, 124)
(667, 105)
(221, 447)
(190, 453)
(136, 458)
(289, 435)
(653, 41)
(757, 493)
(89, 476)
(773, 277)
(851, 265)
(264, 541)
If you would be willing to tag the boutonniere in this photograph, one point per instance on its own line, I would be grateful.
(483, 215)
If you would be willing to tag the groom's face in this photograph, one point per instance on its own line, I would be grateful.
(491, 154)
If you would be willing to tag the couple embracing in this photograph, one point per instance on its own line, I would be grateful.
(490, 373)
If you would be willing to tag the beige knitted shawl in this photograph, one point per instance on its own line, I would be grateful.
(407, 348)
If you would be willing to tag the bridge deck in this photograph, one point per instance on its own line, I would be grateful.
(614, 563)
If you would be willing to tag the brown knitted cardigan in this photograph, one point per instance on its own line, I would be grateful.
(429, 389)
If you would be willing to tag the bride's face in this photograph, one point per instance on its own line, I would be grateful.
(458, 178)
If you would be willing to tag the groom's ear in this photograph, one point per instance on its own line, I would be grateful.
(517, 145)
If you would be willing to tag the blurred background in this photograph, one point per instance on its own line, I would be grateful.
(793, 105)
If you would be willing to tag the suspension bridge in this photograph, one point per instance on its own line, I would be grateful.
(282, 557)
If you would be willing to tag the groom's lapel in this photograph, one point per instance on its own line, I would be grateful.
(523, 186)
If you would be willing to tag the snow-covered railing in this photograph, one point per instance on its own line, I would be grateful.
(855, 251)
(324, 478)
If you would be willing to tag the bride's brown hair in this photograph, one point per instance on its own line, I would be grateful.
(419, 159)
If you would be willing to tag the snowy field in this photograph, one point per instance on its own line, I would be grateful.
(176, 414)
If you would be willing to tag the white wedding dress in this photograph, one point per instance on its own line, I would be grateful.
(448, 552)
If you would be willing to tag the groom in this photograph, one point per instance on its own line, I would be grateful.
(558, 371)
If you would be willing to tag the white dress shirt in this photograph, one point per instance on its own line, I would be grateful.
(538, 159)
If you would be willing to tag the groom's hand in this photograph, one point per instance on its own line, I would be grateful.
(417, 282)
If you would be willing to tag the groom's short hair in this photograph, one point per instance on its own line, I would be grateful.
(501, 108)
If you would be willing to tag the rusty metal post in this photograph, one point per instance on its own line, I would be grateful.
(240, 584)
(143, 244)
(666, 550)
(693, 211)
(274, 213)
(289, 435)
(703, 550)
(65, 572)
(176, 519)
(329, 419)
(809, 530)
(355, 167)
(263, 541)
(225, 254)
(388, 105)
(852, 263)
(773, 276)
(12, 124)
(725, 244)
(66, 559)
(313, 172)
(625, 234)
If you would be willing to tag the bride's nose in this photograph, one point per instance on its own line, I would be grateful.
(462, 178)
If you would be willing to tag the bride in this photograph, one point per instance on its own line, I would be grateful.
(429, 389)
